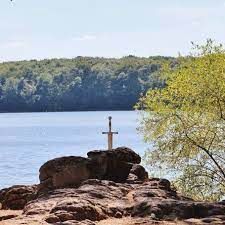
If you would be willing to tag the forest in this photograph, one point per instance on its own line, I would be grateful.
(78, 84)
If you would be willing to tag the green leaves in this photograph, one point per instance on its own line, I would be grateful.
(82, 83)
(186, 120)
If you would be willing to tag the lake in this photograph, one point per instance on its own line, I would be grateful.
(27, 140)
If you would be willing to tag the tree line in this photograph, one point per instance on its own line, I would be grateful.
(82, 83)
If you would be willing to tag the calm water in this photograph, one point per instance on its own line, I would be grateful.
(27, 140)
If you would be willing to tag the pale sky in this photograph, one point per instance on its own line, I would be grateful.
(38, 29)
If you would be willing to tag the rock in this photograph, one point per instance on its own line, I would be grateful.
(139, 171)
(96, 200)
(64, 172)
(117, 171)
(17, 196)
(132, 179)
(164, 184)
(123, 154)
(52, 219)
(109, 187)
(70, 171)
(75, 222)
(114, 165)
(118, 215)
(210, 220)
(78, 210)
(7, 217)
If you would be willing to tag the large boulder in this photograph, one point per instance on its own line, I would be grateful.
(123, 154)
(71, 171)
(115, 164)
(65, 172)
(17, 196)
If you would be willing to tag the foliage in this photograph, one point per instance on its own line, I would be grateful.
(81, 83)
(186, 122)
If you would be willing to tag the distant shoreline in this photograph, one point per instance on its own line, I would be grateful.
(80, 84)
(110, 110)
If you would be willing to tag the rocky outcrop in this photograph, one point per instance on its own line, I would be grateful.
(95, 201)
(17, 196)
(80, 193)
(114, 165)
(64, 172)
(70, 171)
(123, 154)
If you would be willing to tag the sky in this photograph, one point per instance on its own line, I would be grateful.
(38, 29)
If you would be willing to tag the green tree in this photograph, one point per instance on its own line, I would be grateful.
(81, 83)
(186, 122)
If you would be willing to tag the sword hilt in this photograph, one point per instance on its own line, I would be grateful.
(110, 134)
(110, 123)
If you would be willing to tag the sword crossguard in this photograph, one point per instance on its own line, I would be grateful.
(110, 134)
